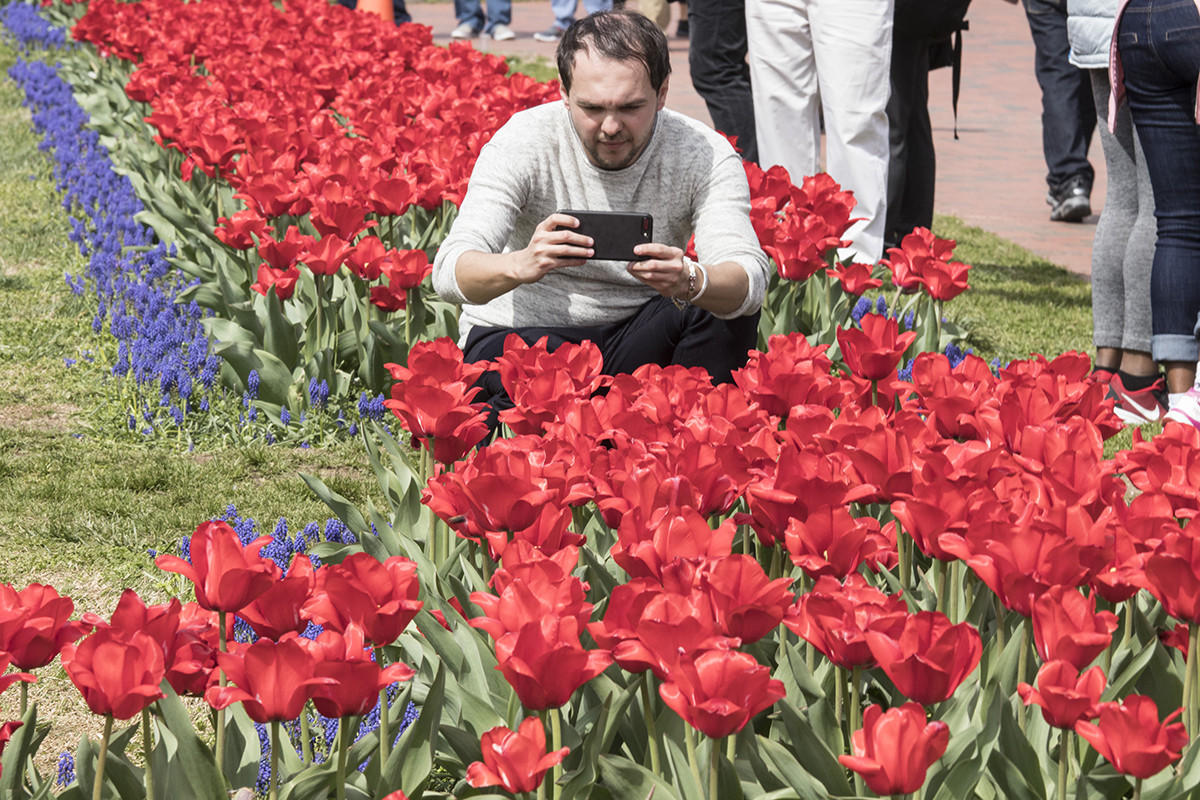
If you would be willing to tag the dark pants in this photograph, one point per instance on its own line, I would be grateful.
(912, 166)
(1068, 111)
(398, 9)
(1159, 43)
(659, 333)
(720, 74)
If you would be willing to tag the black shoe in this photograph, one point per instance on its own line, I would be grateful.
(681, 30)
(1070, 201)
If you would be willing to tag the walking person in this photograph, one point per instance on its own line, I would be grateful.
(1155, 63)
(472, 21)
(720, 74)
(1123, 252)
(832, 56)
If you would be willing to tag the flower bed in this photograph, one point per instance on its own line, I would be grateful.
(830, 577)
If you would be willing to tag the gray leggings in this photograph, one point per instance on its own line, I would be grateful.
(1123, 252)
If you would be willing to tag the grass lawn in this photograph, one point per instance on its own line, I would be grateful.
(84, 503)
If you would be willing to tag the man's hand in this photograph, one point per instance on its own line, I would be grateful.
(551, 249)
(664, 272)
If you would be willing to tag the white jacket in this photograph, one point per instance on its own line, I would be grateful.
(1089, 30)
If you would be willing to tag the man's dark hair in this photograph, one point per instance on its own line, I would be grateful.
(620, 35)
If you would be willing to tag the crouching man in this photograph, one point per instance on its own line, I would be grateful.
(515, 265)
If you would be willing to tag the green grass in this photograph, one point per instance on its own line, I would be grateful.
(539, 68)
(1018, 303)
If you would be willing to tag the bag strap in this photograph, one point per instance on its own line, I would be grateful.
(956, 71)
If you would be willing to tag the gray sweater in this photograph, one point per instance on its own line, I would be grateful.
(689, 179)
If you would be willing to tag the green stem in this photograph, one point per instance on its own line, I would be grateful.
(714, 769)
(221, 644)
(108, 723)
(24, 698)
(305, 739)
(1189, 679)
(874, 392)
(691, 748)
(147, 752)
(343, 754)
(1130, 606)
(319, 282)
(556, 742)
(902, 553)
(274, 791)
(1193, 707)
(1063, 760)
(1000, 624)
(955, 591)
(942, 569)
(408, 304)
(1022, 664)
(385, 741)
(731, 748)
(1137, 790)
(648, 713)
(839, 690)
(855, 699)
(776, 560)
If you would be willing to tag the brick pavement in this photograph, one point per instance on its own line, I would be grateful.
(993, 176)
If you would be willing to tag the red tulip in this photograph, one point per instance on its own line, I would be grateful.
(854, 278)
(644, 546)
(929, 658)
(35, 624)
(226, 575)
(1066, 697)
(1066, 626)
(380, 597)
(277, 610)
(117, 672)
(529, 592)
(444, 414)
(284, 281)
(359, 679)
(920, 252)
(1130, 736)
(1172, 574)
(669, 627)
(719, 691)
(829, 541)
(439, 362)
(791, 373)
(746, 603)
(272, 680)
(516, 760)
(545, 663)
(894, 749)
(835, 618)
(874, 351)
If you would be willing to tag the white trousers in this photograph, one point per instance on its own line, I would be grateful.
(837, 53)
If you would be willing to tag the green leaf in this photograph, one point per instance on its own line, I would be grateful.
(631, 781)
(1010, 780)
(410, 764)
(1119, 683)
(789, 770)
(274, 377)
(579, 781)
(17, 753)
(279, 335)
(346, 511)
(1015, 746)
(242, 749)
(814, 754)
(226, 330)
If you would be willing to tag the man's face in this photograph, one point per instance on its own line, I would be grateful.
(613, 108)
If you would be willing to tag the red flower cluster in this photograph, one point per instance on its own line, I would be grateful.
(923, 260)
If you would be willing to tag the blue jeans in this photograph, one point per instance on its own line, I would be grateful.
(499, 12)
(1159, 45)
(564, 10)
(1068, 111)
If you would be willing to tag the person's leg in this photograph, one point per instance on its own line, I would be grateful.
(1160, 54)
(717, 61)
(592, 6)
(564, 12)
(469, 12)
(400, 12)
(911, 164)
(1068, 111)
(499, 12)
(658, 11)
(1112, 231)
(783, 79)
(662, 334)
(852, 43)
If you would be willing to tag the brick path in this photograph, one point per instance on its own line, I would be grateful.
(993, 176)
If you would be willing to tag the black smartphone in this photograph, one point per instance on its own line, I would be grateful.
(614, 233)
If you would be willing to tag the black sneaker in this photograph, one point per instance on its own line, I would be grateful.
(1070, 201)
